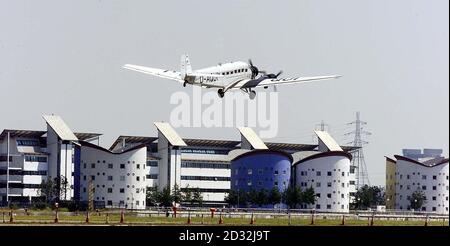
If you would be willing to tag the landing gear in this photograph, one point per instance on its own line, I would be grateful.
(184, 84)
(221, 93)
(252, 95)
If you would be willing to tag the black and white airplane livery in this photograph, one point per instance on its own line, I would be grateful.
(227, 76)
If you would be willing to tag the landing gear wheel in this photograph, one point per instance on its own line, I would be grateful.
(221, 93)
(252, 95)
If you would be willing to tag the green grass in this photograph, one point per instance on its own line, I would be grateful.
(94, 218)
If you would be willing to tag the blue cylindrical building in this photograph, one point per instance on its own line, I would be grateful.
(261, 169)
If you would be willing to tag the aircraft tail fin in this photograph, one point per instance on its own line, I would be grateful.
(185, 66)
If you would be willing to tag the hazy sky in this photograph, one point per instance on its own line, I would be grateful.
(65, 57)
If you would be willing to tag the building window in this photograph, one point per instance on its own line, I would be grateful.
(137, 178)
(110, 178)
(122, 190)
(122, 178)
(318, 184)
(249, 171)
(137, 190)
(329, 184)
(434, 177)
(433, 198)
(343, 174)
(84, 189)
(424, 177)
(424, 187)
(275, 183)
(317, 206)
(110, 190)
(328, 206)
(92, 165)
(318, 173)
(342, 196)
(84, 177)
(138, 166)
(122, 166)
(329, 195)
(110, 166)
(407, 176)
(152, 176)
(93, 177)
(249, 183)
(328, 173)
(275, 172)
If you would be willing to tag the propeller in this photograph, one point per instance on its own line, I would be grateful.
(256, 71)
(274, 76)
(253, 68)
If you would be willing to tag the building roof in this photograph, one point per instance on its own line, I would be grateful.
(132, 140)
(86, 136)
(21, 133)
(170, 134)
(324, 154)
(212, 143)
(263, 151)
(60, 127)
(329, 141)
(94, 146)
(298, 156)
(390, 159)
(252, 138)
(291, 146)
(429, 163)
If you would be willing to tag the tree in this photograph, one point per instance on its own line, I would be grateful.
(187, 195)
(152, 196)
(48, 189)
(252, 197)
(418, 199)
(274, 196)
(236, 197)
(177, 196)
(165, 198)
(63, 185)
(292, 196)
(231, 197)
(261, 198)
(308, 196)
(197, 197)
(368, 196)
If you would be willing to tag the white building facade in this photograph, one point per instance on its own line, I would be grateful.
(329, 174)
(430, 176)
(113, 179)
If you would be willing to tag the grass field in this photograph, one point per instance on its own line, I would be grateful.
(132, 219)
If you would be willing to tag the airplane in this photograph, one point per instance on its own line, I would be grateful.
(227, 76)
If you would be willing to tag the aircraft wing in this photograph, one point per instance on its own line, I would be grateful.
(262, 82)
(166, 74)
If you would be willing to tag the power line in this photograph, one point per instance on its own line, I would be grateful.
(358, 162)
